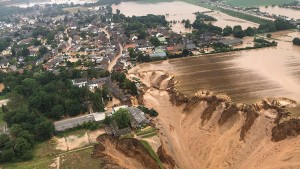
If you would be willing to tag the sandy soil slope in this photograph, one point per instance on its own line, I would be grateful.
(207, 131)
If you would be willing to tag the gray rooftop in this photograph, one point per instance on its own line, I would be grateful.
(138, 115)
(72, 122)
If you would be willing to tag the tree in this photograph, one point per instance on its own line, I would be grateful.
(155, 41)
(57, 111)
(185, 52)
(25, 52)
(122, 118)
(8, 155)
(43, 50)
(21, 146)
(29, 85)
(282, 24)
(142, 35)
(96, 99)
(72, 107)
(250, 31)
(118, 11)
(36, 42)
(44, 130)
(4, 138)
(187, 23)
(238, 32)
(227, 31)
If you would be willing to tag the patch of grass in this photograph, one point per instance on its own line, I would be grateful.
(149, 135)
(1, 117)
(34, 164)
(77, 132)
(45, 149)
(146, 131)
(79, 160)
(2, 97)
(152, 153)
(127, 136)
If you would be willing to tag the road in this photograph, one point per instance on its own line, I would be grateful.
(114, 61)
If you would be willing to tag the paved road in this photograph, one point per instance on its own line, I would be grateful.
(114, 61)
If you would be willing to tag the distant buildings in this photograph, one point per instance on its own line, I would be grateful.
(92, 84)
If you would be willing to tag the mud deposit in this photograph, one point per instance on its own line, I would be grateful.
(126, 153)
(208, 130)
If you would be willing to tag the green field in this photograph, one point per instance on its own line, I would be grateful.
(34, 164)
(252, 3)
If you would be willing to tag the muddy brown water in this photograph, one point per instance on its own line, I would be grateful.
(178, 11)
(245, 76)
(291, 13)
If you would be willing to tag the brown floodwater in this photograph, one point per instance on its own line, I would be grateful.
(291, 13)
(177, 12)
(246, 76)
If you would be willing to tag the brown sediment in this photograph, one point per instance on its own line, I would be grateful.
(211, 131)
(285, 129)
(123, 153)
(251, 115)
(228, 113)
(165, 158)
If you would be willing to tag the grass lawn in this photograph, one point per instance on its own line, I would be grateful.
(251, 3)
(46, 149)
(79, 160)
(149, 135)
(34, 164)
(75, 132)
(1, 117)
(152, 153)
(2, 97)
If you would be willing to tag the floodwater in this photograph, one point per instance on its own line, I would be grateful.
(177, 12)
(291, 13)
(246, 76)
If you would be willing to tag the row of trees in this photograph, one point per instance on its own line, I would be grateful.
(277, 25)
(238, 32)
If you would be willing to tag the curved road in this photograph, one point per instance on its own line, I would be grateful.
(114, 61)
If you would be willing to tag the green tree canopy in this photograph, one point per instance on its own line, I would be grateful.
(122, 118)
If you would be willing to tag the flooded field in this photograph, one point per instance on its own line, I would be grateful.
(178, 11)
(245, 76)
(291, 13)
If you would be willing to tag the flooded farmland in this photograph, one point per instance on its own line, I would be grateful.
(291, 13)
(177, 12)
(245, 76)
